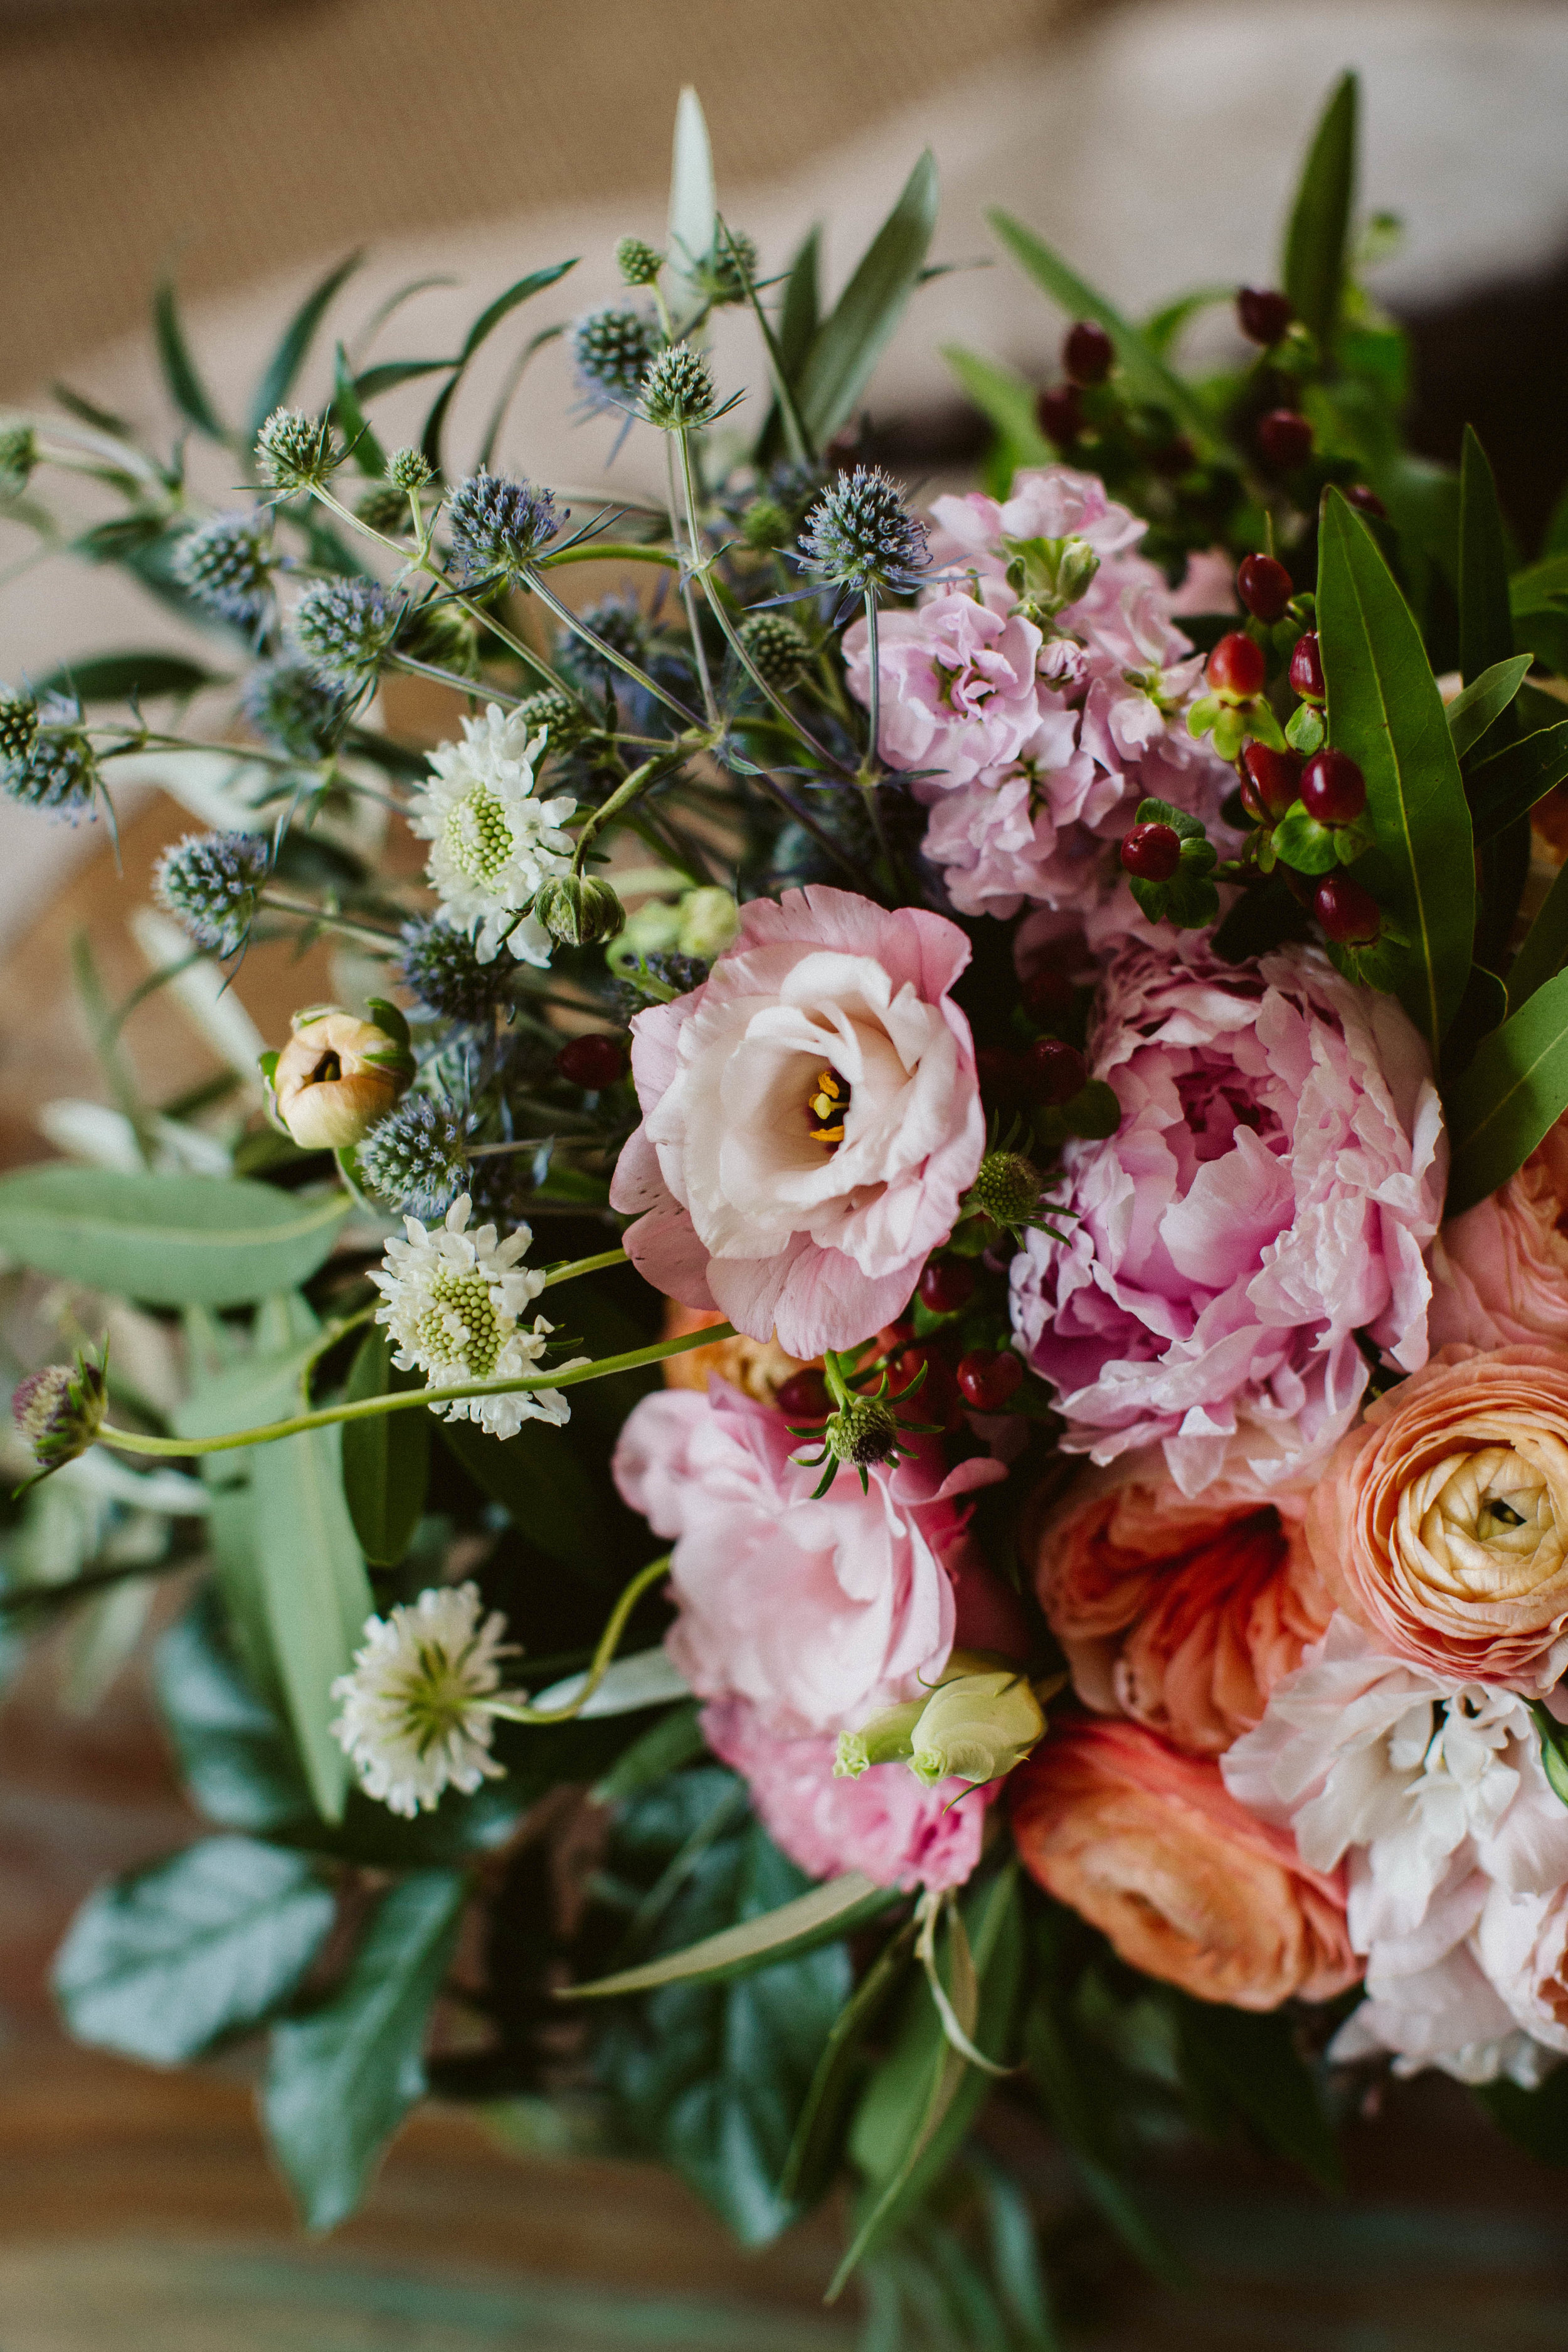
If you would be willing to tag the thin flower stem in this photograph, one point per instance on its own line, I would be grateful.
(472, 687)
(580, 628)
(129, 1440)
(874, 705)
(688, 566)
(607, 550)
(385, 940)
(609, 1641)
(635, 784)
(574, 1266)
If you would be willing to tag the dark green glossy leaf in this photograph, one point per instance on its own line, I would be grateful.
(339, 2081)
(856, 333)
(1516, 1088)
(540, 1482)
(1315, 241)
(1486, 644)
(817, 2145)
(186, 390)
(1545, 947)
(168, 1241)
(1251, 2062)
(234, 1754)
(163, 1963)
(116, 677)
(483, 327)
(1482, 1008)
(278, 376)
(387, 375)
(386, 1462)
(368, 454)
(1505, 786)
(1537, 2119)
(1479, 707)
(1385, 713)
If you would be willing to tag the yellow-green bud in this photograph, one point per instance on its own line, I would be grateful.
(885, 1740)
(976, 1727)
(710, 921)
(578, 908)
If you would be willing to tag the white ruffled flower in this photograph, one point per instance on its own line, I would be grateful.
(418, 1706)
(492, 842)
(452, 1301)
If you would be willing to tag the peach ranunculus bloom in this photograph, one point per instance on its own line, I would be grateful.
(1499, 1273)
(1150, 1846)
(1441, 1524)
(1181, 1613)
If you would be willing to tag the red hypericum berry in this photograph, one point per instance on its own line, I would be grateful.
(1307, 670)
(1367, 500)
(1000, 1072)
(937, 1399)
(1333, 788)
(592, 1061)
(1262, 314)
(1272, 781)
(1060, 413)
(1264, 586)
(946, 1285)
(1057, 1070)
(1047, 993)
(803, 1396)
(1088, 354)
(986, 1380)
(1173, 457)
(1151, 852)
(1284, 438)
(1237, 667)
(1350, 915)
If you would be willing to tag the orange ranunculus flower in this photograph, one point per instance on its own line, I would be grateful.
(757, 1367)
(1441, 1525)
(1181, 1613)
(1151, 1848)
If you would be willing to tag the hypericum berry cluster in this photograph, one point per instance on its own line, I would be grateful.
(778, 647)
(416, 1159)
(211, 883)
(497, 526)
(291, 708)
(677, 390)
(343, 628)
(612, 351)
(227, 565)
(861, 536)
(295, 452)
(439, 966)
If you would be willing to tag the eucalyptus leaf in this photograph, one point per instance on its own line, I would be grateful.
(478, 333)
(278, 376)
(1475, 710)
(168, 1241)
(1505, 786)
(189, 394)
(836, 1908)
(340, 2080)
(1387, 714)
(856, 333)
(163, 1963)
(1516, 1087)
(118, 677)
(386, 1461)
(1315, 242)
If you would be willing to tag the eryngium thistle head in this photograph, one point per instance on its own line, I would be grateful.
(778, 647)
(227, 565)
(678, 388)
(210, 882)
(18, 726)
(498, 525)
(58, 772)
(439, 966)
(409, 469)
(638, 262)
(764, 523)
(723, 273)
(18, 456)
(343, 628)
(290, 707)
(1006, 1189)
(860, 534)
(382, 507)
(566, 722)
(658, 980)
(417, 1158)
(295, 452)
(612, 351)
(578, 908)
(60, 1410)
(863, 1432)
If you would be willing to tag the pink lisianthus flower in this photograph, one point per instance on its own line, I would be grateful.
(741, 1205)
(1276, 1178)
(884, 1824)
(958, 682)
(1499, 1272)
(816, 1613)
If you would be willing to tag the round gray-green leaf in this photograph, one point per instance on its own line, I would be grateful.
(169, 1241)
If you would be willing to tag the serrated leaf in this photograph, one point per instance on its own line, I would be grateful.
(1506, 786)
(1385, 713)
(854, 335)
(339, 2082)
(1481, 703)
(163, 1963)
(386, 1461)
(278, 378)
(186, 390)
(836, 1908)
(168, 1241)
(1515, 1089)
(1315, 242)
(116, 677)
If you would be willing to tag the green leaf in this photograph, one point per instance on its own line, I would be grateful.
(801, 312)
(1067, 2071)
(1301, 842)
(386, 1462)
(838, 1908)
(1147, 374)
(368, 454)
(1545, 947)
(168, 1241)
(233, 1756)
(1506, 786)
(387, 375)
(186, 390)
(1516, 1088)
(278, 376)
(1539, 587)
(1482, 1008)
(666, 1747)
(1005, 399)
(1385, 713)
(818, 2139)
(1485, 641)
(542, 1484)
(116, 677)
(1163, 332)
(339, 2082)
(1476, 710)
(1252, 2061)
(163, 1963)
(854, 335)
(483, 327)
(693, 206)
(1314, 260)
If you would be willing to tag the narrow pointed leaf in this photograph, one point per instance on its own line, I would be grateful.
(835, 1909)
(814, 2150)
(188, 392)
(1316, 240)
(368, 453)
(168, 1241)
(1486, 640)
(1545, 947)
(386, 1462)
(115, 677)
(801, 312)
(387, 375)
(1005, 399)
(693, 204)
(484, 325)
(283, 369)
(1507, 785)
(1516, 1088)
(854, 335)
(1477, 709)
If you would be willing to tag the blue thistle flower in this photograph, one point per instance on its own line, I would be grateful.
(416, 1159)
(295, 452)
(343, 628)
(18, 726)
(499, 526)
(439, 966)
(58, 770)
(677, 390)
(227, 565)
(210, 882)
(293, 708)
(861, 536)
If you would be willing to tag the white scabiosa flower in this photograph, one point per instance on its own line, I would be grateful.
(452, 1301)
(419, 1705)
(492, 842)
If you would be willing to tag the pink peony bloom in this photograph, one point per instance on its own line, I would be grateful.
(816, 1613)
(958, 683)
(743, 1207)
(1499, 1273)
(884, 1824)
(1277, 1175)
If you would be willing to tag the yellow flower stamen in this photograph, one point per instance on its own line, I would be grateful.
(830, 1100)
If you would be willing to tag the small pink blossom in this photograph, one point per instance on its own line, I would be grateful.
(1499, 1272)
(1276, 1177)
(816, 1613)
(958, 683)
(739, 1206)
(1016, 833)
(884, 1824)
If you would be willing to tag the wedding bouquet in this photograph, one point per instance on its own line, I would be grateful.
(878, 1430)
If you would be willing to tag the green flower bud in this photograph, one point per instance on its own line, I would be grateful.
(1006, 1189)
(861, 1433)
(638, 262)
(60, 1410)
(678, 388)
(18, 456)
(409, 469)
(778, 647)
(887, 1738)
(566, 722)
(709, 922)
(1049, 574)
(382, 507)
(976, 1727)
(295, 451)
(578, 908)
(764, 525)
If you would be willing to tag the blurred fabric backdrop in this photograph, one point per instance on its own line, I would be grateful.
(243, 146)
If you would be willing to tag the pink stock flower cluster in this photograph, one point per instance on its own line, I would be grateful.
(1031, 735)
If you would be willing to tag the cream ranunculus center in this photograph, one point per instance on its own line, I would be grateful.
(1489, 1523)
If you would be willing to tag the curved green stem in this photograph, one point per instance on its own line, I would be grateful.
(576, 1265)
(611, 550)
(620, 661)
(600, 1666)
(635, 784)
